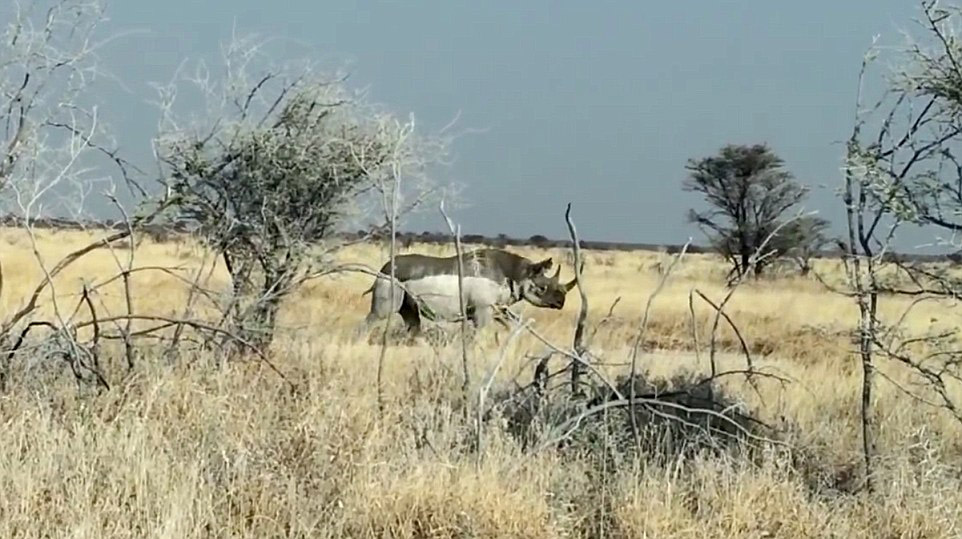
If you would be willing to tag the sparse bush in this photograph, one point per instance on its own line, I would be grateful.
(272, 177)
(538, 240)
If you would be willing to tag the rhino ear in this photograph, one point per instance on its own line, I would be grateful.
(540, 267)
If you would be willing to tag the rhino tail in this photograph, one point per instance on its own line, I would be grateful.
(373, 285)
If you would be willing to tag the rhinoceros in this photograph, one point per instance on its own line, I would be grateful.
(493, 279)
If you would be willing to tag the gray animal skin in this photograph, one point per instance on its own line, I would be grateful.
(493, 279)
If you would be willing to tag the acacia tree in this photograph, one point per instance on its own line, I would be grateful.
(902, 167)
(285, 160)
(748, 192)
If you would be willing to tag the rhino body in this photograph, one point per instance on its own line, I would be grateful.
(492, 279)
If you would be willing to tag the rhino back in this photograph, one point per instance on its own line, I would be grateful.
(492, 264)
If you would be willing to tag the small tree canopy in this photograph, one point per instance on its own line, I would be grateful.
(283, 185)
(748, 192)
(801, 239)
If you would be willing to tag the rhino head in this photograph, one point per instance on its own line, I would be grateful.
(540, 290)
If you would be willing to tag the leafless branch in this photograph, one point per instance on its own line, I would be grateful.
(63, 264)
(456, 233)
(578, 345)
(641, 335)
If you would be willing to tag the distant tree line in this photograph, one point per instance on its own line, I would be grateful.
(166, 231)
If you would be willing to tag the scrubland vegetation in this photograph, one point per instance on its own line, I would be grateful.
(211, 382)
(203, 448)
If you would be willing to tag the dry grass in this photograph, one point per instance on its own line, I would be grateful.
(197, 449)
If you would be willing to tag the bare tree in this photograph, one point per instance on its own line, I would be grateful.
(285, 158)
(47, 63)
(51, 134)
(748, 191)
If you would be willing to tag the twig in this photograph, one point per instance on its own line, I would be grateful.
(95, 341)
(387, 325)
(641, 335)
(64, 263)
(608, 317)
(125, 275)
(694, 326)
(486, 386)
(731, 323)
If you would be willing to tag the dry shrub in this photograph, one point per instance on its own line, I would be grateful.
(683, 414)
(674, 417)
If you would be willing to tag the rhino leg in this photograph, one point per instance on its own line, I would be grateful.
(411, 316)
(381, 306)
(482, 316)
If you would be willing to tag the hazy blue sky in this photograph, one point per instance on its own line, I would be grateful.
(599, 103)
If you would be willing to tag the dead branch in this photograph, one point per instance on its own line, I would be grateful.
(731, 323)
(199, 325)
(66, 262)
(574, 358)
(578, 344)
(72, 356)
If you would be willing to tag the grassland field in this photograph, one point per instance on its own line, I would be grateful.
(204, 449)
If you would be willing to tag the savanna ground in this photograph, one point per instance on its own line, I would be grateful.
(201, 448)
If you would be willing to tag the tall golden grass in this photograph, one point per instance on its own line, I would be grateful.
(199, 448)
